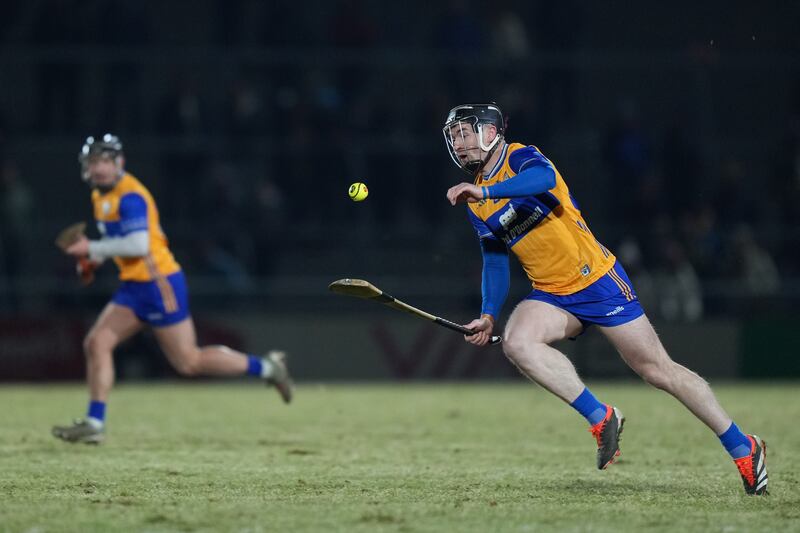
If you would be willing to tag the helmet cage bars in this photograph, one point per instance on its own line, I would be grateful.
(475, 116)
(109, 146)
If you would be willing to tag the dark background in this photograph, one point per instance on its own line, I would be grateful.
(676, 126)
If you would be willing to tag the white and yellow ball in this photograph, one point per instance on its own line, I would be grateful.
(358, 192)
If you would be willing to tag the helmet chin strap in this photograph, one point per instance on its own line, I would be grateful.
(489, 149)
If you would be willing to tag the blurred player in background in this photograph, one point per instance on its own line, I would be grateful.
(153, 292)
(519, 202)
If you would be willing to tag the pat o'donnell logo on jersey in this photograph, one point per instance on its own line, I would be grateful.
(508, 217)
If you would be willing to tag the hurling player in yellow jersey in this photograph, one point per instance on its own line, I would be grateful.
(152, 292)
(519, 203)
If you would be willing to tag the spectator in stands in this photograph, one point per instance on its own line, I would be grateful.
(59, 23)
(629, 161)
(755, 269)
(678, 286)
(16, 217)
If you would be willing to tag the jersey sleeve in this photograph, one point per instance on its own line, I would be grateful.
(534, 175)
(495, 277)
(528, 157)
(132, 213)
(480, 226)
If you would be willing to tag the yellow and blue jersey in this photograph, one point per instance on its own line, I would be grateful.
(130, 207)
(545, 231)
(153, 286)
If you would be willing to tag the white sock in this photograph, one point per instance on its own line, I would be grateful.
(96, 423)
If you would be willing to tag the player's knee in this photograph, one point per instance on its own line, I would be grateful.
(187, 368)
(188, 364)
(512, 345)
(656, 375)
(518, 346)
(94, 344)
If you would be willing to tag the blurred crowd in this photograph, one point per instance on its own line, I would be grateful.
(725, 227)
(246, 159)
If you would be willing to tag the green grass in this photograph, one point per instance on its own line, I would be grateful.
(440, 458)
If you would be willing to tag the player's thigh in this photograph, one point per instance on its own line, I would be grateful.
(637, 343)
(178, 341)
(533, 321)
(115, 324)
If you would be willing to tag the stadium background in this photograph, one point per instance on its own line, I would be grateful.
(678, 134)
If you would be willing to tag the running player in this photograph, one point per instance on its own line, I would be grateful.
(519, 202)
(153, 292)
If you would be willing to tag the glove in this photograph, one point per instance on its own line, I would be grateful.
(85, 269)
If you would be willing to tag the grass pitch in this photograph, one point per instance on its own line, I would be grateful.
(500, 457)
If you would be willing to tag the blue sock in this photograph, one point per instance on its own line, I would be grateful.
(736, 442)
(97, 410)
(254, 365)
(591, 409)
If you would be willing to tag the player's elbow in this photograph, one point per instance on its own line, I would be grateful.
(549, 177)
(139, 244)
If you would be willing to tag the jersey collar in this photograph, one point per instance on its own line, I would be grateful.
(499, 164)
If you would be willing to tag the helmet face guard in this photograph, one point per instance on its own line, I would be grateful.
(475, 117)
(109, 146)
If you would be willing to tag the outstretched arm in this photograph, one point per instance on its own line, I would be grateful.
(495, 277)
(134, 244)
(133, 240)
(494, 288)
(531, 181)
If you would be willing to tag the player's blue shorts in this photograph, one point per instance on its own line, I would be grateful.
(159, 303)
(609, 301)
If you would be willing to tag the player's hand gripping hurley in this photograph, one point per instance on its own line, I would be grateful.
(364, 289)
(70, 235)
(65, 239)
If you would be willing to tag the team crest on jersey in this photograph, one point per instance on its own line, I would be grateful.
(483, 202)
(106, 207)
(585, 270)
